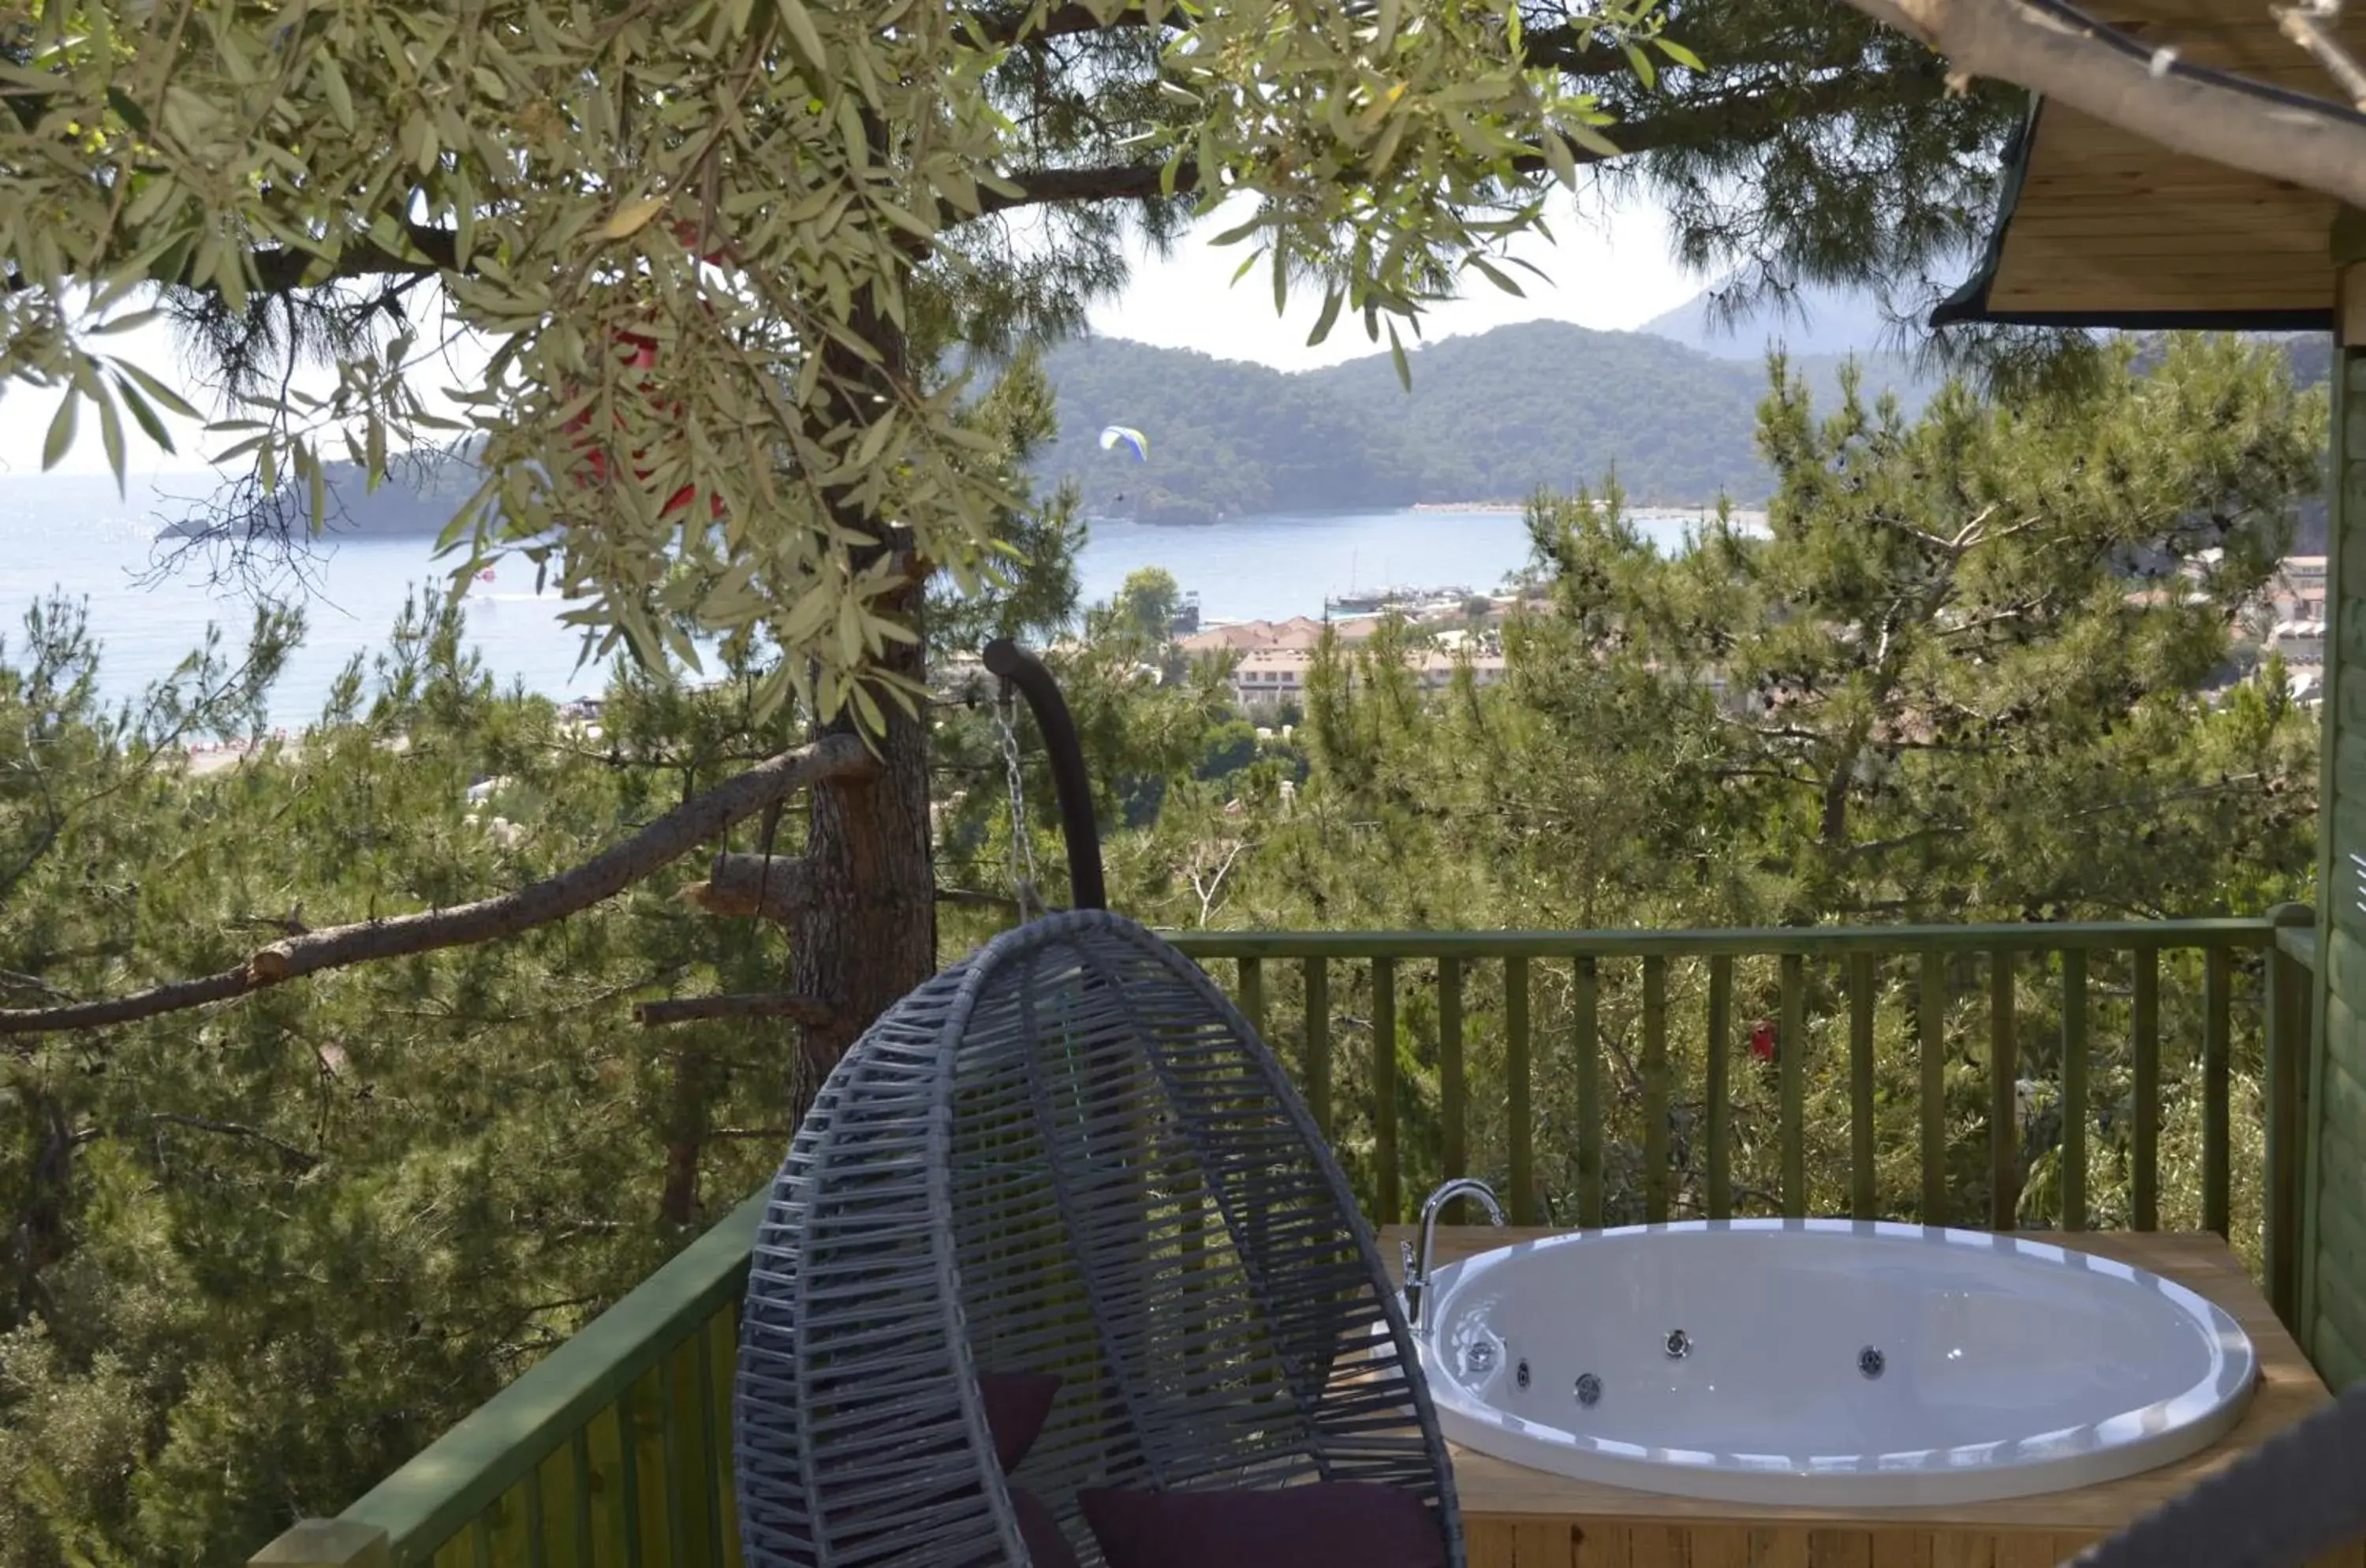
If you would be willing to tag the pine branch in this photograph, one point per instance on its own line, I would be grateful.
(1111, 182)
(301, 1159)
(604, 876)
(811, 1012)
(280, 269)
(967, 899)
(1738, 118)
(2113, 78)
(1007, 25)
(16, 979)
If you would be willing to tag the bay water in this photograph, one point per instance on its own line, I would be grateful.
(75, 535)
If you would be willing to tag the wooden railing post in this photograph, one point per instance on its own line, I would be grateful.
(1865, 1199)
(1453, 1091)
(1655, 1090)
(327, 1543)
(1316, 1077)
(1721, 1099)
(1586, 1028)
(2004, 1108)
(1930, 1030)
(2288, 1007)
(2071, 1154)
(1791, 1075)
(2143, 1015)
(1517, 1101)
(1384, 1090)
(2217, 1032)
(1252, 994)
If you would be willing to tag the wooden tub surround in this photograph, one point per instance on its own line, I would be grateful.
(1516, 1517)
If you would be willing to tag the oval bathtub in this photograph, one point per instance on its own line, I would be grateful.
(1828, 1362)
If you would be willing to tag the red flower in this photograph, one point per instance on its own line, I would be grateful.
(1761, 1039)
(644, 358)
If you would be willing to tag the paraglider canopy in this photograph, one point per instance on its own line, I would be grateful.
(1117, 436)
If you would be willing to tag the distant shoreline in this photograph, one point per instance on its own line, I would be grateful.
(1499, 506)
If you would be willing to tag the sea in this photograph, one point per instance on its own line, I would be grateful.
(77, 536)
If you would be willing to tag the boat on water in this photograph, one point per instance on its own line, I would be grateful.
(1365, 602)
(1407, 600)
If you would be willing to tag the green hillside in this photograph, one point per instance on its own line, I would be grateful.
(1490, 417)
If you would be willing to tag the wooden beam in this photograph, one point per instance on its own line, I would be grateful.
(327, 1543)
(2009, 41)
(2349, 278)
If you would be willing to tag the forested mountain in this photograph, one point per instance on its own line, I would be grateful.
(1490, 417)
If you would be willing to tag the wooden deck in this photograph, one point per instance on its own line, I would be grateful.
(1516, 1517)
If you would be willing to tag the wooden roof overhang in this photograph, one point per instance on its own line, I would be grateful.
(2100, 228)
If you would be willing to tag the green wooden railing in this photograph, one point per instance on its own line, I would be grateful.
(1639, 1033)
(1628, 1091)
(615, 1448)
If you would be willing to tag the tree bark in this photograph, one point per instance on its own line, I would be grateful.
(38, 1237)
(863, 931)
(686, 1139)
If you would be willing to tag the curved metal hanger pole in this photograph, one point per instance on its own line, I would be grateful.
(1023, 670)
(2294, 1498)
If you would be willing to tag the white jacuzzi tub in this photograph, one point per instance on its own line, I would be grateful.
(1828, 1362)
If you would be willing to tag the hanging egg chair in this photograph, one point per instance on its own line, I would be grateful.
(1058, 1271)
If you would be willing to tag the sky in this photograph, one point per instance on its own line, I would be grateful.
(1610, 270)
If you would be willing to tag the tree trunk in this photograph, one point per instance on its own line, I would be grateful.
(37, 1239)
(677, 1205)
(866, 933)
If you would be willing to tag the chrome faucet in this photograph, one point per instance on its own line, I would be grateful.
(1416, 1277)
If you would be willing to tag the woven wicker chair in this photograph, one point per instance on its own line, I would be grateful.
(1070, 1154)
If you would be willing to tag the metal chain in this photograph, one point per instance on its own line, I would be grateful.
(1024, 878)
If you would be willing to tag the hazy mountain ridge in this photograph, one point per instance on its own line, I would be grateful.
(1813, 323)
(420, 494)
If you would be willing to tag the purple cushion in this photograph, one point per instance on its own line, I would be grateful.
(1332, 1524)
(1046, 1545)
(1016, 1405)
